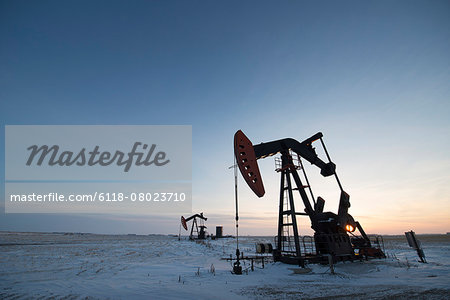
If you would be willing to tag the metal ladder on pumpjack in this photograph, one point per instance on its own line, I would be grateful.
(288, 245)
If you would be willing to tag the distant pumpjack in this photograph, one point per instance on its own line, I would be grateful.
(199, 230)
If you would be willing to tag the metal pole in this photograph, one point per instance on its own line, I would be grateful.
(280, 242)
(329, 160)
(236, 200)
(237, 269)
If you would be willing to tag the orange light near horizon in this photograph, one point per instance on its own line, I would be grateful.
(349, 228)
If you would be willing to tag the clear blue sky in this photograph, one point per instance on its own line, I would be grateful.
(373, 77)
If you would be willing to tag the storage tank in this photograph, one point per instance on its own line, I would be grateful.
(219, 232)
(264, 248)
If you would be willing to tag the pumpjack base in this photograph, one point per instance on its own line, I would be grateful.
(288, 259)
(323, 259)
(291, 260)
(336, 244)
(330, 247)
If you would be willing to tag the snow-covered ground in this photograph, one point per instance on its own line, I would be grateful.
(74, 266)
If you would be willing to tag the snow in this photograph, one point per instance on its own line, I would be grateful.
(76, 266)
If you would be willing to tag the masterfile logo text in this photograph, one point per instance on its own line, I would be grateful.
(91, 158)
(98, 152)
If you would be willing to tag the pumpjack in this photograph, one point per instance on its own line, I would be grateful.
(331, 231)
(199, 230)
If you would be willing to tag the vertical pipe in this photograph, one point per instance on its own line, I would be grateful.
(236, 201)
(237, 265)
(329, 160)
(280, 215)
